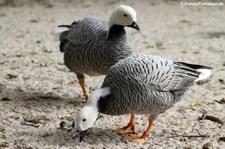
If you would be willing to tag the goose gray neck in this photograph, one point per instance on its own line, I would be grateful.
(115, 31)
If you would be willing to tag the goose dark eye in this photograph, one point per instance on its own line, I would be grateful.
(84, 120)
(125, 15)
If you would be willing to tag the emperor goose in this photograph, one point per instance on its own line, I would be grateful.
(140, 85)
(92, 46)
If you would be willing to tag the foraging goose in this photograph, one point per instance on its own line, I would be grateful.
(92, 46)
(140, 85)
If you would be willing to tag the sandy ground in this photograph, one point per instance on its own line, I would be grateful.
(36, 89)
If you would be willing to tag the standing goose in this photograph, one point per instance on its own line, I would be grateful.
(92, 46)
(139, 85)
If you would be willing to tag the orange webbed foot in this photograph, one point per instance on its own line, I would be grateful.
(145, 134)
(130, 128)
(137, 138)
(126, 129)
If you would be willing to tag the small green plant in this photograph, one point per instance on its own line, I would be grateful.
(4, 137)
(198, 103)
(159, 45)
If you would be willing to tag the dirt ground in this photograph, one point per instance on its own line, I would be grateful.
(38, 92)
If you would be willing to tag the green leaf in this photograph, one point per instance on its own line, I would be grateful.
(4, 137)
(198, 103)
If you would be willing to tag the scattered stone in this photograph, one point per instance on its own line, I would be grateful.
(2, 129)
(62, 68)
(221, 81)
(196, 52)
(49, 5)
(47, 134)
(33, 53)
(224, 63)
(5, 99)
(4, 144)
(44, 64)
(211, 118)
(200, 82)
(19, 55)
(28, 106)
(67, 125)
(66, 117)
(33, 20)
(184, 21)
(222, 101)
(15, 66)
(29, 124)
(46, 50)
(222, 139)
(207, 146)
(11, 76)
(183, 139)
(22, 35)
(2, 14)
(92, 89)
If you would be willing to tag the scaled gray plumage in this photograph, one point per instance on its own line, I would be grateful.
(140, 85)
(92, 46)
(88, 51)
(146, 85)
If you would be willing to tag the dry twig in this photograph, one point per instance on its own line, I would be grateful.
(211, 118)
(30, 124)
(190, 136)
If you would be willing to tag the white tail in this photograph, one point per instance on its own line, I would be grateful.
(204, 74)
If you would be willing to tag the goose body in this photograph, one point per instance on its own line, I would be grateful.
(92, 46)
(88, 50)
(141, 84)
(145, 84)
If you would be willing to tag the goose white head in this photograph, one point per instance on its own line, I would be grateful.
(124, 16)
(86, 117)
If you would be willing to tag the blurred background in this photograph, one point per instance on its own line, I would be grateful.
(35, 84)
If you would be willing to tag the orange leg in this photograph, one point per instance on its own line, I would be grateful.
(85, 93)
(130, 128)
(144, 136)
